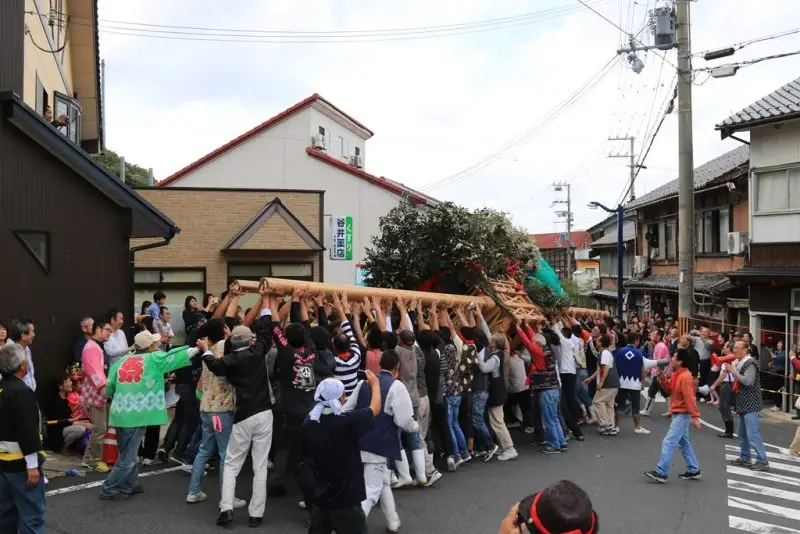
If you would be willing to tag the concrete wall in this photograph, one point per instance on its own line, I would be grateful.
(334, 131)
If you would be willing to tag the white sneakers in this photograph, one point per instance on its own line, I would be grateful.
(200, 496)
(641, 431)
(193, 498)
(508, 454)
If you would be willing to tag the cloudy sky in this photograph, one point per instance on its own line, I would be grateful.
(439, 105)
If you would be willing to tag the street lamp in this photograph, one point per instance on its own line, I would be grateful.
(620, 245)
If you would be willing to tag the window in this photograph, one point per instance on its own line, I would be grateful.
(357, 150)
(41, 96)
(711, 231)
(344, 149)
(670, 240)
(777, 190)
(795, 299)
(70, 109)
(169, 277)
(38, 246)
(177, 284)
(321, 130)
(257, 271)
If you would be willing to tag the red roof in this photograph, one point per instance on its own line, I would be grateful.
(380, 181)
(285, 114)
(580, 239)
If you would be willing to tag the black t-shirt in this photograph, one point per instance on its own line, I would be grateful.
(57, 410)
(295, 369)
(331, 446)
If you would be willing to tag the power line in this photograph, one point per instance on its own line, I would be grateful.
(644, 155)
(535, 128)
(742, 44)
(198, 33)
(633, 39)
(749, 62)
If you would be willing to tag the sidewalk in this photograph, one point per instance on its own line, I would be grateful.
(56, 465)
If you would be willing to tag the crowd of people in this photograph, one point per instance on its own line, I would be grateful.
(356, 399)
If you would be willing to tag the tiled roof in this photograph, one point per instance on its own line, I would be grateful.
(704, 176)
(610, 237)
(579, 239)
(710, 283)
(266, 125)
(777, 106)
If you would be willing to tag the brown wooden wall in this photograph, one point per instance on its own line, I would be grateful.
(12, 45)
(89, 264)
(775, 255)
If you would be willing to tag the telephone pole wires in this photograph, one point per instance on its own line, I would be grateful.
(631, 155)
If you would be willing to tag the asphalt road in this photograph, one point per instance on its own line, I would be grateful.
(475, 499)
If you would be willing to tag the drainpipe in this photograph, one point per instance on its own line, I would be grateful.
(132, 260)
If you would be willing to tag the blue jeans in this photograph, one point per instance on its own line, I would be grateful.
(583, 392)
(411, 440)
(482, 433)
(21, 507)
(124, 476)
(194, 445)
(678, 436)
(459, 442)
(750, 435)
(211, 439)
(549, 401)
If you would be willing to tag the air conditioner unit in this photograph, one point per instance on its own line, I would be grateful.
(640, 264)
(737, 242)
(319, 142)
(356, 161)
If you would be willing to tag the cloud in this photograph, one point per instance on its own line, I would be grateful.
(437, 105)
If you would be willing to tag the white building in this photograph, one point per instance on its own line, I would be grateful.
(772, 270)
(312, 145)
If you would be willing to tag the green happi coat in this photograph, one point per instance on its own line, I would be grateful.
(136, 386)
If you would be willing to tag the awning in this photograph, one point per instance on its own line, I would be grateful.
(765, 272)
(604, 294)
(711, 284)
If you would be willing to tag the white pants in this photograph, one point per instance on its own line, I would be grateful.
(256, 430)
(377, 479)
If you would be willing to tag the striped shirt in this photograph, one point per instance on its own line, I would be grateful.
(348, 364)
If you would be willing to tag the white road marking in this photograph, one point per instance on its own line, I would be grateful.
(770, 477)
(98, 483)
(775, 455)
(773, 465)
(764, 491)
(764, 508)
(757, 527)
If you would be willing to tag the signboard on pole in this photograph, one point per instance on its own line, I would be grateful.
(342, 236)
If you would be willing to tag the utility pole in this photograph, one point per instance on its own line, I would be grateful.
(631, 155)
(685, 167)
(565, 214)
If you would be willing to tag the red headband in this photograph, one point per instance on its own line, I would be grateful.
(540, 527)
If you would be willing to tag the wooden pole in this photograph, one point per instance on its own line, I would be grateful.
(359, 292)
